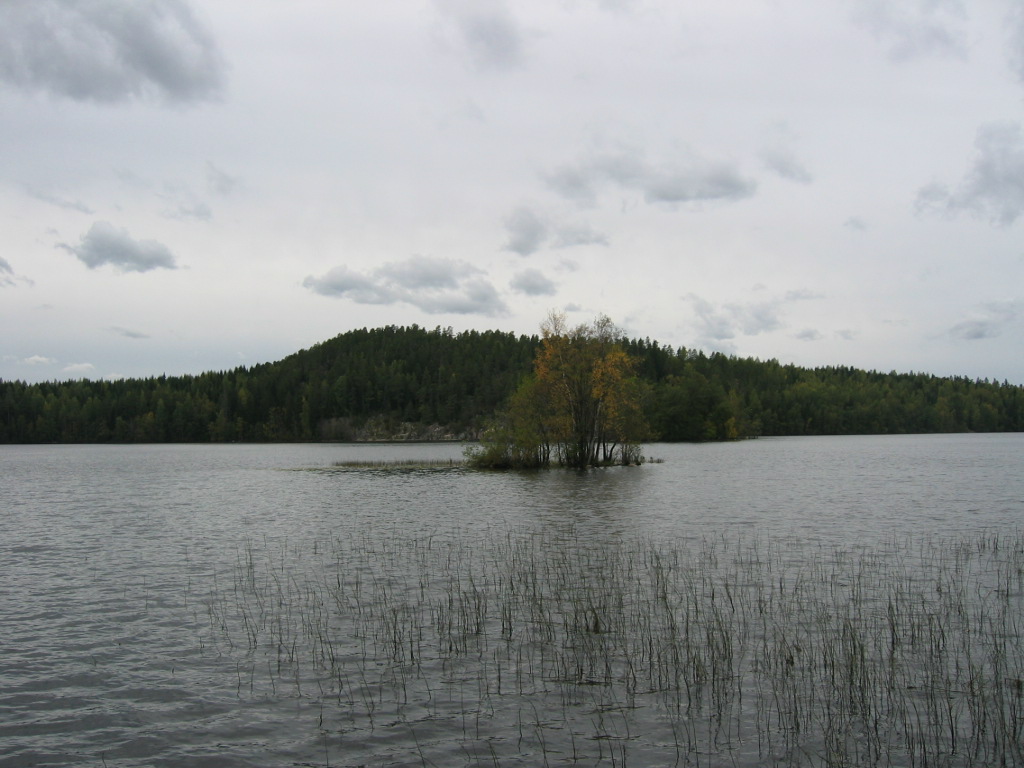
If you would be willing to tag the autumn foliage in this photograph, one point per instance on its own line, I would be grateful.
(582, 405)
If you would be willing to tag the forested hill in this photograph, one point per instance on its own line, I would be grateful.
(409, 382)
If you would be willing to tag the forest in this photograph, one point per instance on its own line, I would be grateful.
(414, 383)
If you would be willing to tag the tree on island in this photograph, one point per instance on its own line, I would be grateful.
(581, 406)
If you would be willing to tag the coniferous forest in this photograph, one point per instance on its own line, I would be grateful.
(414, 383)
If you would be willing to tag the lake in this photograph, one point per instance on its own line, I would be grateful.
(784, 601)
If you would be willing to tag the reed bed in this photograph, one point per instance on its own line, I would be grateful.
(544, 648)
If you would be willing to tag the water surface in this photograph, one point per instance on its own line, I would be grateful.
(114, 560)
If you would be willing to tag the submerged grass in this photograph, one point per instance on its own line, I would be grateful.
(399, 463)
(535, 648)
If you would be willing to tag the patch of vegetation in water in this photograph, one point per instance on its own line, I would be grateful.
(398, 463)
(519, 648)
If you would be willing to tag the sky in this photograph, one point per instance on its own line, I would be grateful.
(187, 187)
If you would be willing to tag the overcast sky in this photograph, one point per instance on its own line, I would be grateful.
(191, 186)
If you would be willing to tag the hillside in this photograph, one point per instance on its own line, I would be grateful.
(414, 383)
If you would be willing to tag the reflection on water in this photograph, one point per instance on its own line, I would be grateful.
(113, 558)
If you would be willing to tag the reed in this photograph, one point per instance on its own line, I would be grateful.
(711, 652)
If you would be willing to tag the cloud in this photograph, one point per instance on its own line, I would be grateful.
(108, 50)
(105, 244)
(127, 333)
(532, 282)
(198, 210)
(69, 205)
(526, 231)
(1015, 29)
(808, 334)
(990, 321)
(6, 274)
(488, 30)
(78, 369)
(219, 182)
(721, 323)
(38, 360)
(856, 223)
(433, 285)
(784, 162)
(915, 28)
(687, 180)
(779, 155)
(570, 236)
(994, 186)
(341, 282)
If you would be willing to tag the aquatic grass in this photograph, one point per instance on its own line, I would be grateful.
(400, 463)
(539, 647)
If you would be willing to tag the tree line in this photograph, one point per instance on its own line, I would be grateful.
(413, 382)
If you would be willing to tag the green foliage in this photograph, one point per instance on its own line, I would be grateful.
(375, 383)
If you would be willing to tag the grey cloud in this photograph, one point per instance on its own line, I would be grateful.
(721, 323)
(991, 320)
(808, 334)
(802, 294)
(105, 244)
(6, 274)
(432, 285)
(219, 182)
(526, 231)
(127, 333)
(914, 28)
(785, 163)
(780, 157)
(426, 273)
(491, 35)
(1015, 28)
(994, 186)
(532, 282)
(691, 179)
(70, 205)
(847, 334)
(475, 297)
(200, 211)
(570, 236)
(108, 50)
(341, 282)
(856, 223)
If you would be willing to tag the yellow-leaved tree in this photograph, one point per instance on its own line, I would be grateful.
(581, 407)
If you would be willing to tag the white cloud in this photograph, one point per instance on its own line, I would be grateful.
(38, 360)
(106, 244)
(108, 50)
(78, 369)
